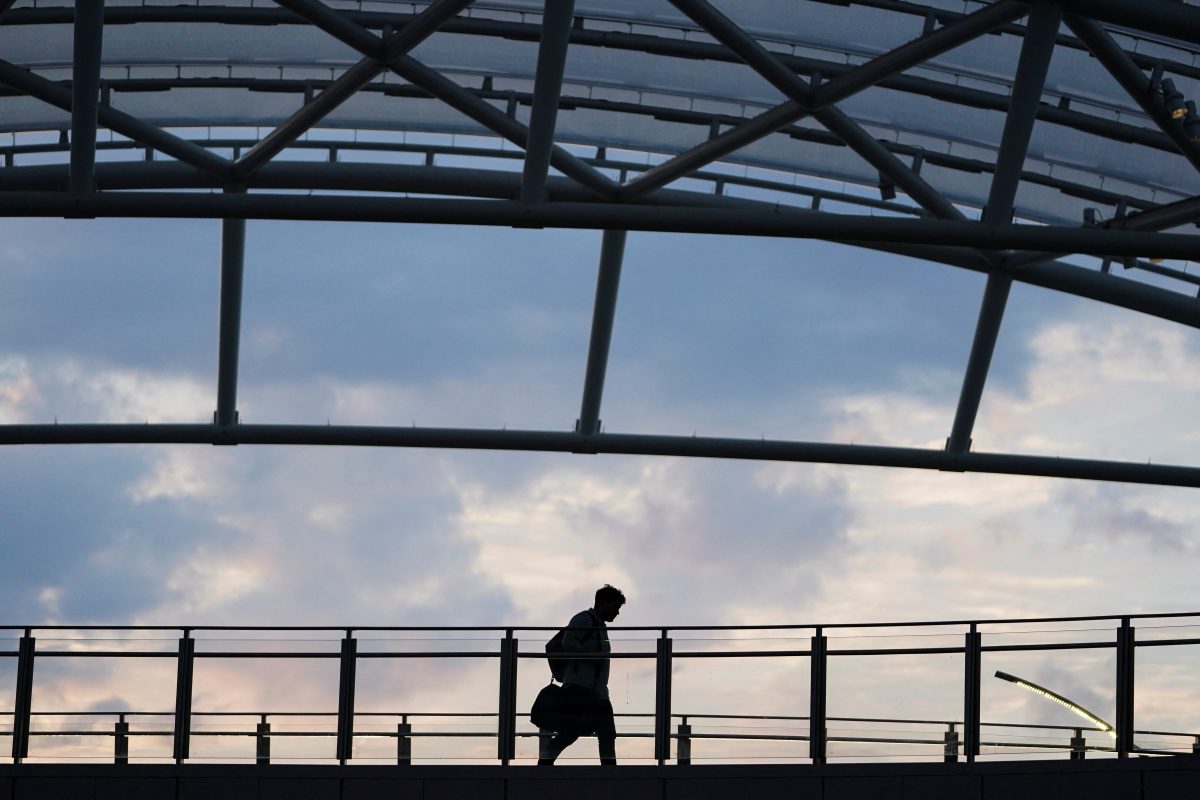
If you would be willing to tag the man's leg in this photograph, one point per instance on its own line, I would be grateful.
(606, 732)
(555, 746)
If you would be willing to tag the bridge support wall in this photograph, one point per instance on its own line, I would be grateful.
(1132, 779)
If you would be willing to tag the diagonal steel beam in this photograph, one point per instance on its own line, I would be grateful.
(449, 92)
(547, 88)
(58, 95)
(412, 34)
(1134, 81)
(839, 124)
(85, 93)
(612, 254)
(492, 118)
(1171, 18)
(1036, 51)
(233, 256)
(862, 77)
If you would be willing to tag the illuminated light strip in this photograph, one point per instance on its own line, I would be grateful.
(1058, 698)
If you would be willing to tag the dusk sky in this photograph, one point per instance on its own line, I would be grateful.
(393, 324)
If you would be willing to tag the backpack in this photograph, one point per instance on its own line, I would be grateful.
(554, 650)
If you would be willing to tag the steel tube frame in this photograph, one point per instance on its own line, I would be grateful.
(420, 28)
(547, 88)
(57, 95)
(608, 279)
(1172, 19)
(792, 86)
(1133, 81)
(85, 93)
(778, 221)
(614, 443)
(1036, 51)
(448, 92)
(846, 85)
(233, 256)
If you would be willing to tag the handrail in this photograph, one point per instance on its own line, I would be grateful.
(499, 644)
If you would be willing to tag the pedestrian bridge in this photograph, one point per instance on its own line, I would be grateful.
(1068, 706)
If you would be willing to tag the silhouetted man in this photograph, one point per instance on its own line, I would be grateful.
(585, 681)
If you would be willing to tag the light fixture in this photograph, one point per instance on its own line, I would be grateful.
(1058, 698)
(1173, 98)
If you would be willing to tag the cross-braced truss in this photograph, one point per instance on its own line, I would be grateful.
(1008, 137)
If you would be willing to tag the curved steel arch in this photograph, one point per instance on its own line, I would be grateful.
(624, 102)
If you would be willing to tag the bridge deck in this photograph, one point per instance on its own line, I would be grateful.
(1137, 778)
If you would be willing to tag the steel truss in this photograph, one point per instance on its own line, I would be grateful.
(166, 163)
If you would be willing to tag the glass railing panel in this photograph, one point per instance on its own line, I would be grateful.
(741, 696)
(894, 694)
(86, 682)
(291, 676)
(1056, 692)
(1167, 687)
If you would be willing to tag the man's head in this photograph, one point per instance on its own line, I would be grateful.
(609, 600)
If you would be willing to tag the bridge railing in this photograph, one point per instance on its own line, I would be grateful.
(820, 663)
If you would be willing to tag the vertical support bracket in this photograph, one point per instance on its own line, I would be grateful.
(1045, 17)
(404, 742)
(121, 741)
(24, 700)
(1126, 645)
(85, 94)
(262, 753)
(973, 651)
(1078, 746)
(817, 734)
(547, 89)
(612, 254)
(950, 745)
(233, 256)
(183, 696)
(506, 730)
(683, 747)
(345, 729)
(662, 700)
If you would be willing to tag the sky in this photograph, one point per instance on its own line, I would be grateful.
(719, 336)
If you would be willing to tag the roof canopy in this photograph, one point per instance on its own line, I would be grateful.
(997, 136)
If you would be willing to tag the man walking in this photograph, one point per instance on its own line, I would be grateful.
(585, 680)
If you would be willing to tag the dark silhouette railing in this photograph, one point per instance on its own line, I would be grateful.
(951, 739)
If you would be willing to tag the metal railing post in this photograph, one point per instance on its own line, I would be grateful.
(183, 696)
(1078, 746)
(1125, 684)
(404, 742)
(950, 748)
(23, 706)
(262, 751)
(506, 726)
(121, 741)
(972, 667)
(662, 700)
(345, 722)
(683, 745)
(817, 734)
